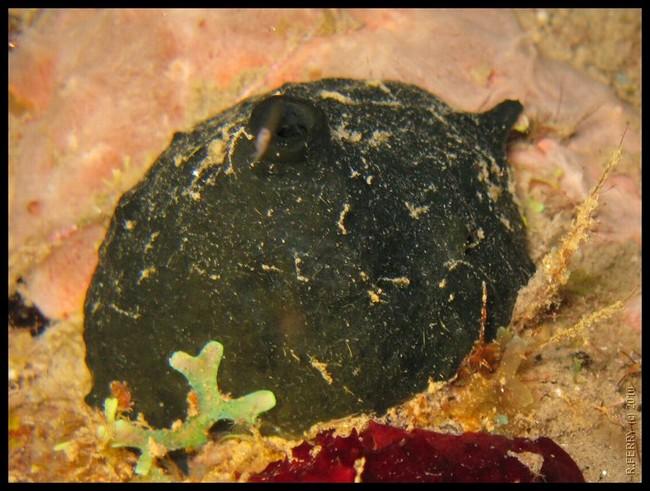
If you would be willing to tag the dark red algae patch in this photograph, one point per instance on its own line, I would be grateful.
(382, 453)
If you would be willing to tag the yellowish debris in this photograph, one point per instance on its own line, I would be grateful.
(192, 403)
(585, 322)
(343, 134)
(322, 369)
(399, 281)
(359, 465)
(378, 84)
(182, 159)
(541, 291)
(152, 239)
(297, 262)
(315, 450)
(339, 224)
(378, 138)
(337, 96)
(375, 296)
(146, 273)
(156, 449)
(505, 222)
(415, 212)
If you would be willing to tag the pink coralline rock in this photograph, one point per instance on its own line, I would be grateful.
(95, 96)
(382, 453)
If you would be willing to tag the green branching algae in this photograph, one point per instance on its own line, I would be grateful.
(211, 406)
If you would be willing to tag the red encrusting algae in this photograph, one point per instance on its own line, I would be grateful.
(383, 453)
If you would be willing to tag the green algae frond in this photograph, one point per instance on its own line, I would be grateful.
(206, 406)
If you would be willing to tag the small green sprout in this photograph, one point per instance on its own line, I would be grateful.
(535, 206)
(210, 406)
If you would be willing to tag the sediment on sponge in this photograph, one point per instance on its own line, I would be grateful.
(209, 406)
